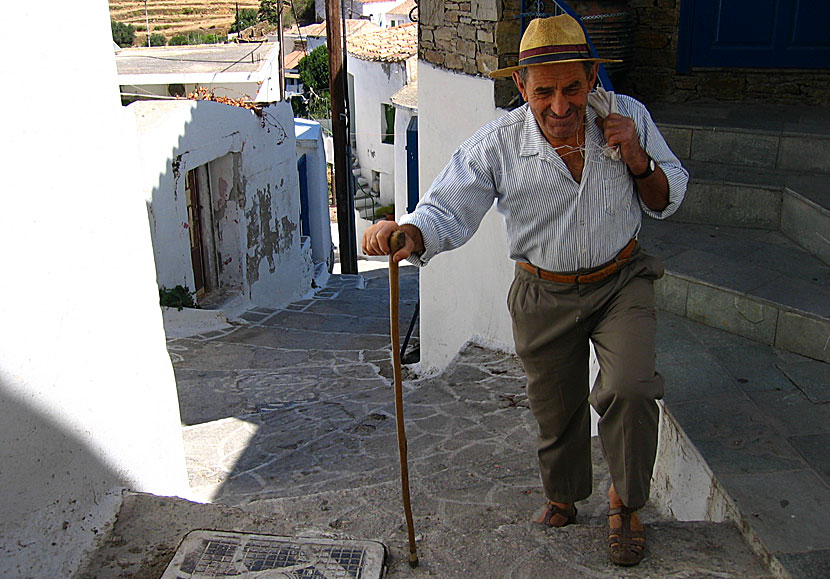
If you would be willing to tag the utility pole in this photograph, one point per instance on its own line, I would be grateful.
(339, 115)
(147, 21)
(282, 51)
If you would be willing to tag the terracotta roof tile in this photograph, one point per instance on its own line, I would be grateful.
(386, 45)
(403, 8)
(353, 26)
(407, 96)
(293, 59)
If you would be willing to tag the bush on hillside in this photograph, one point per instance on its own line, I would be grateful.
(244, 18)
(194, 38)
(158, 39)
(122, 34)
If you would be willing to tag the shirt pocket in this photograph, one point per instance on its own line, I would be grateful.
(617, 191)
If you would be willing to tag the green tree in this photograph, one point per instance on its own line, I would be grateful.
(269, 11)
(244, 18)
(158, 39)
(179, 40)
(314, 69)
(122, 34)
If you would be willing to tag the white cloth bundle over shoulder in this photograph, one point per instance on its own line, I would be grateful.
(604, 103)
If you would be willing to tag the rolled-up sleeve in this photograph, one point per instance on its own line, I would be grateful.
(452, 210)
(655, 145)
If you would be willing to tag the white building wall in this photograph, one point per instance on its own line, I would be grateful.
(463, 292)
(374, 84)
(375, 11)
(257, 209)
(88, 401)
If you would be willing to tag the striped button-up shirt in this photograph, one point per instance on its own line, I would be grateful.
(552, 221)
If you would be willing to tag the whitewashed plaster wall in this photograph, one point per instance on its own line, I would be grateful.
(374, 85)
(463, 292)
(403, 115)
(88, 401)
(310, 143)
(375, 10)
(389, 20)
(257, 210)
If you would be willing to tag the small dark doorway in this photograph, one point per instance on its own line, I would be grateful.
(194, 224)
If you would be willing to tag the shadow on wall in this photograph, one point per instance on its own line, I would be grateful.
(41, 535)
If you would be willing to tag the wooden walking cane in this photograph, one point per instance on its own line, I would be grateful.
(396, 242)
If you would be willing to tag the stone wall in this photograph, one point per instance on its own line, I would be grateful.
(476, 36)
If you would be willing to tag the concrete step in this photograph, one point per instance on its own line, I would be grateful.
(765, 136)
(793, 202)
(745, 437)
(755, 283)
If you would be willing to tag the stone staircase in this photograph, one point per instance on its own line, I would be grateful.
(367, 195)
(745, 325)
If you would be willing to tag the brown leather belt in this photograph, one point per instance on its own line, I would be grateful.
(594, 276)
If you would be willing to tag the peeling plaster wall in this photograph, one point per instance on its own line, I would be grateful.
(256, 203)
(374, 84)
(88, 401)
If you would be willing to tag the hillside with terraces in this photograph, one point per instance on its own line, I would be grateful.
(172, 17)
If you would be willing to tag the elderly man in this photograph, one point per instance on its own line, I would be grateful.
(572, 188)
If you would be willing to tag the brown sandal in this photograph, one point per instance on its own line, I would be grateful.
(551, 510)
(625, 546)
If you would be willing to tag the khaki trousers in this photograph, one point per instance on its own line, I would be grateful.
(552, 326)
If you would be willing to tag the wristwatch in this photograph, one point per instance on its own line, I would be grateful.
(649, 169)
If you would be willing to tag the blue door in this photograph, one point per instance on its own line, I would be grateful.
(754, 34)
(305, 224)
(412, 193)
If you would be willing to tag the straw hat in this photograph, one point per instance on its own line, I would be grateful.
(552, 40)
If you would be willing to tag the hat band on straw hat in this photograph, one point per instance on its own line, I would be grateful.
(554, 53)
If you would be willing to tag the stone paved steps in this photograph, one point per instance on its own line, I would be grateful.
(746, 438)
(300, 406)
(788, 138)
(755, 283)
(723, 194)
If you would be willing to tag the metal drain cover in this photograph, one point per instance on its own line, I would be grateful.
(205, 554)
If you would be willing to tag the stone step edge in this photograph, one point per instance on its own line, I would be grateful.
(744, 315)
(796, 152)
(741, 130)
(799, 218)
(684, 487)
